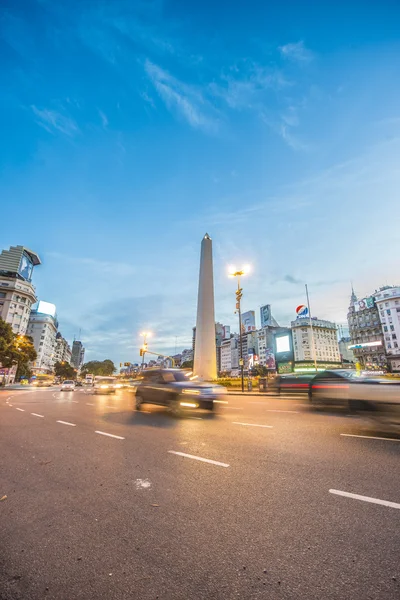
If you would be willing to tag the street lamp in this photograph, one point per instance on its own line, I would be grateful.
(234, 272)
(145, 335)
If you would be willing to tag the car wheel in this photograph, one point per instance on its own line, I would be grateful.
(175, 409)
(138, 402)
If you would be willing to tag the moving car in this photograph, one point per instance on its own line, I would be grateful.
(104, 385)
(292, 383)
(173, 388)
(375, 397)
(68, 386)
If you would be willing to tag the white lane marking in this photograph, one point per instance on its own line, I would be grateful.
(20, 409)
(66, 423)
(259, 402)
(143, 484)
(365, 498)
(370, 437)
(76, 401)
(90, 403)
(232, 407)
(36, 415)
(252, 424)
(206, 460)
(197, 418)
(282, 411)
(108, 406)
(221, 401)
(117, 437)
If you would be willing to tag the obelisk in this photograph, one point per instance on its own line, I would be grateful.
(205, 355)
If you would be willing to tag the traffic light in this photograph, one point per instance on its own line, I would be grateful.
(120, 364)
(127, 364)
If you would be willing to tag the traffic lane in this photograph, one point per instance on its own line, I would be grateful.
(252, 525)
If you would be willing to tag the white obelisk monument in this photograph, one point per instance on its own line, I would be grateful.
(205, 354)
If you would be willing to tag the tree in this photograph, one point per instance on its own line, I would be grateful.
(8, 356)
(188, 364)
(97, 367)
(64, 370)
(26, 353)
(259, 370)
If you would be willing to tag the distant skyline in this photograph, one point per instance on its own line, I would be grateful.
(129, 129)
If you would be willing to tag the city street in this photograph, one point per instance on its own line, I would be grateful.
(265, 499)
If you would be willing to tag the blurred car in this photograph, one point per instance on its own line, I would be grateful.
(375, 397)
(68, 386)
(78, 384)
(292, 383)
(104, 385)
(173, 388)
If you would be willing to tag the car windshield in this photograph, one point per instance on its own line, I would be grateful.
(170, 376)
(68, 383)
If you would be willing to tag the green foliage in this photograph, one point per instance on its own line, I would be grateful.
(97, 367)
(8, 355)
(15, 349)
(26, 354)
(64, 370)
(188, 364)
(259, 371)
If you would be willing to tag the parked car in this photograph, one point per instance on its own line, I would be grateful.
(173, 388)
(68, 386)
(104, 385)
(375, 397)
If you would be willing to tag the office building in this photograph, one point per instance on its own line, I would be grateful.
(367, 341)
(17, 294)
(78, 354)
(230, 355)
(42, 327)
(387, 301)
(320, 343)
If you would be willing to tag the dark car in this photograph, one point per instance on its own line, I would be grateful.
(78, 384)
(292, 383)
(174, 389)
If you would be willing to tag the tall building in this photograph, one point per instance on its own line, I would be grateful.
(367, 341)
(17, 294)
(346, 353)
(42, 327)
(387, 301)
(78, 354)
(62, 350)
(230, 354)
(326, 348)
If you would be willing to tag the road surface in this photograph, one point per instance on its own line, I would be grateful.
(264, 500)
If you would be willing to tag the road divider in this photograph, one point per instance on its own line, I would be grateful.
(199, 458)
(365, 498)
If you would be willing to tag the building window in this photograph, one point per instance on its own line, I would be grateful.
(395, 344)
(388, 311)
(385, 328)
(394, 337)
(2, 294)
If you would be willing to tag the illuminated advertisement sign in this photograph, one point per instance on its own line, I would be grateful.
(364, 303)
(282, 344)
(25, 267)
(265, 314)
(366, 345)
(46, 308)
(302, 311)
(283, 347)
(249, 321)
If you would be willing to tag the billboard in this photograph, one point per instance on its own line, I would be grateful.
(282, 344)
(25, 267)
(249, 321)
(302, 311)
(270, 359)
(265, 314)
(46, 308)
(364, 303)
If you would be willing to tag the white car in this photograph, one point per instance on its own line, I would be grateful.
(68, 386)
(104, 385)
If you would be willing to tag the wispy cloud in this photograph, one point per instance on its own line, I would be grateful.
(148, 99)
(187, 100)
(53, 121)
(296, 52)
(104, 119)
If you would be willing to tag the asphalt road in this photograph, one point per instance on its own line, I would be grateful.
(140, 516)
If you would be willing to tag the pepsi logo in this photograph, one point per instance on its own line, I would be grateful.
(302, 310)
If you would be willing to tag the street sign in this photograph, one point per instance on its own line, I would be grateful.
(241, 363)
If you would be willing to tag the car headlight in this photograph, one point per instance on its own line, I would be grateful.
(104, 387)
(189, 404)
(191, 392)
(118, 386)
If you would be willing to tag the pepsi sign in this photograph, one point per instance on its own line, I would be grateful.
(302, 311)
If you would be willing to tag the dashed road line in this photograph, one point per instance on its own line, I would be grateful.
(20, 409)
(197, 418)
(221, 401)
(279, 410)
(37, 415)
(232, 407)
(370, 437)
(66, 423)
(117, 437)
(252, 425)
(199, 458)
(90, 403)
(75, 401)
(365, 498)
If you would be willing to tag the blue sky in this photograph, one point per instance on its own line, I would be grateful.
(131, 128)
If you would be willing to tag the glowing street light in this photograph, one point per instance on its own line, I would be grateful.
(234, 272)
(145, 335)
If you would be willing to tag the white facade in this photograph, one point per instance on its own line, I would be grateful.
(388, 302)
(205, 364)
(16, 299)
(43, 329)
(326, 347)
(230, 354)
(62, 352)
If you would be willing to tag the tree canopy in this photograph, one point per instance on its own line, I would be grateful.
(64, 370)
(15, 349)
(97, 367)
